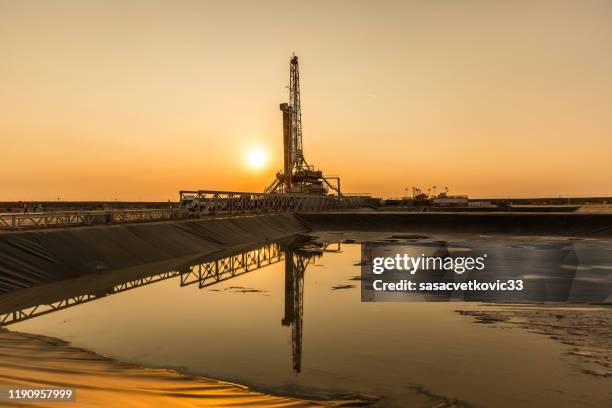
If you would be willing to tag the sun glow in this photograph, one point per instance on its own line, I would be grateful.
(257, 158)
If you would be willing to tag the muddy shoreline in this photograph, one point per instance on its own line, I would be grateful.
(586, 330)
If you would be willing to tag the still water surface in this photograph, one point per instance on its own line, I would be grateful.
(300, 328)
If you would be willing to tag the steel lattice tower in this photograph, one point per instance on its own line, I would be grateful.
(297, 175)
(298, 161)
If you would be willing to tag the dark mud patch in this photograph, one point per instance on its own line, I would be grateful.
(242, 289)
(587, 330)
(340, 287)
(483, 318)
(439, 401)
(409, 236)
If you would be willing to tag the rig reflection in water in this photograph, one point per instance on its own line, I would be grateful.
(549, 269)
(24, 304)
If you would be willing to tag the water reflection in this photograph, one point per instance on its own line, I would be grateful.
(219, 270)
(429, 248)
(340, 344)
(24, 304)
(297, 259)
(555, 271)
(551, 270)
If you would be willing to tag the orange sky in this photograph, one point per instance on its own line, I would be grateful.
(134, 100)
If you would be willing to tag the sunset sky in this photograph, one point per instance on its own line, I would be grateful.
(135, 100)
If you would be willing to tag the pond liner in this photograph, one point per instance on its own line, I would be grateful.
(39, 256)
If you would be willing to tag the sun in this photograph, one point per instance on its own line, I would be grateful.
(256, 158)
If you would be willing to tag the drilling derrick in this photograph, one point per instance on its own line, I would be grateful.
(297, 175)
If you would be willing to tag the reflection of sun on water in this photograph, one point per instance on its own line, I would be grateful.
(256, 158)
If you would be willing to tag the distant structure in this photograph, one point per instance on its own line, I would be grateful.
(297, 175)
(426, 199)
(446, 200)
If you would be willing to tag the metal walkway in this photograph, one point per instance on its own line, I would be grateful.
(194, 204)
(15, 221)
(228, 202)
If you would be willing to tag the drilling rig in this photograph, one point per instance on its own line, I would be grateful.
(297, 175)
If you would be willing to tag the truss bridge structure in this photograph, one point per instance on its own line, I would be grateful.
(228, 202)
(37, 220)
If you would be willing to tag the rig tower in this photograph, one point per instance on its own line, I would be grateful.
(297, 175)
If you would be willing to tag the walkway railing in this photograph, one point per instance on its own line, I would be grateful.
(194, 204)
(12, 221)
(229, 202)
